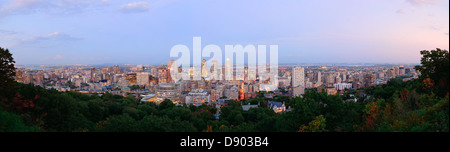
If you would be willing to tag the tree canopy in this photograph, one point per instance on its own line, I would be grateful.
(7, 71)
(434, 69)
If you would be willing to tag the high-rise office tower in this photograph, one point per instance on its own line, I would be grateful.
(169, 67)
(204, 73)
(391, 73)
(298, 81)
(163, 74)
(319, 77)
(92, 74)
(402, 70)
(116, 69)
(228, 70)
(330, 78)
(215, 70)
(344, 77)
(310, 75)
(154, 72)
(396, 71)
(40, 77)
(143, 78)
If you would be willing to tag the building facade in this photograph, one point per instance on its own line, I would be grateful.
(298, 81)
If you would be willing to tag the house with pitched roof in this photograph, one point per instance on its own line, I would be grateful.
(277, 107)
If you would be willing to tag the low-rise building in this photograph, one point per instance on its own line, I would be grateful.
(247, 107)
(197, 97)
(277, 107)
(167, 91)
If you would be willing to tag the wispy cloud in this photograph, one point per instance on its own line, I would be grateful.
(61, 36)
(22, 6)
(135, 7)
(422, 2)
(58, 57)
(51, 37)
(431, 27)
(54, 36)
(7, 32)
(15, 7)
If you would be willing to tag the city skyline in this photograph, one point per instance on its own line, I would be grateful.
(142, 32)
(156, 83)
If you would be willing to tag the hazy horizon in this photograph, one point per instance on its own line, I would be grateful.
(280, 64)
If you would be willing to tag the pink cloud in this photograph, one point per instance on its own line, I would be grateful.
(58, 57)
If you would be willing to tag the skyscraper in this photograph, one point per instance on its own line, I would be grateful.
(169, 67)
(154, 72)
(110, 69)
(143, 78)
(204, 69)
(391, 73)
(330, 78)
(228, 71)
(310, 75)
(402, 70)
(344, 77)
(92, 74)
(163, 74)
(396, 71)
(116, 69)
(215, 70)
(298, 81)
(319, 77)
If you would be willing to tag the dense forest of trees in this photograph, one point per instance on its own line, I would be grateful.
(419, 105)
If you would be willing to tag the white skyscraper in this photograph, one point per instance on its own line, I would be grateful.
(215, 70)
(204, 69)
(228, 70)
(298, 81)
(344, 76)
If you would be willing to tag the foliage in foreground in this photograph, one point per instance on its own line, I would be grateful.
(399, 109)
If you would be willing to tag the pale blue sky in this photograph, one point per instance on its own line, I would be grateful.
(143, 31)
